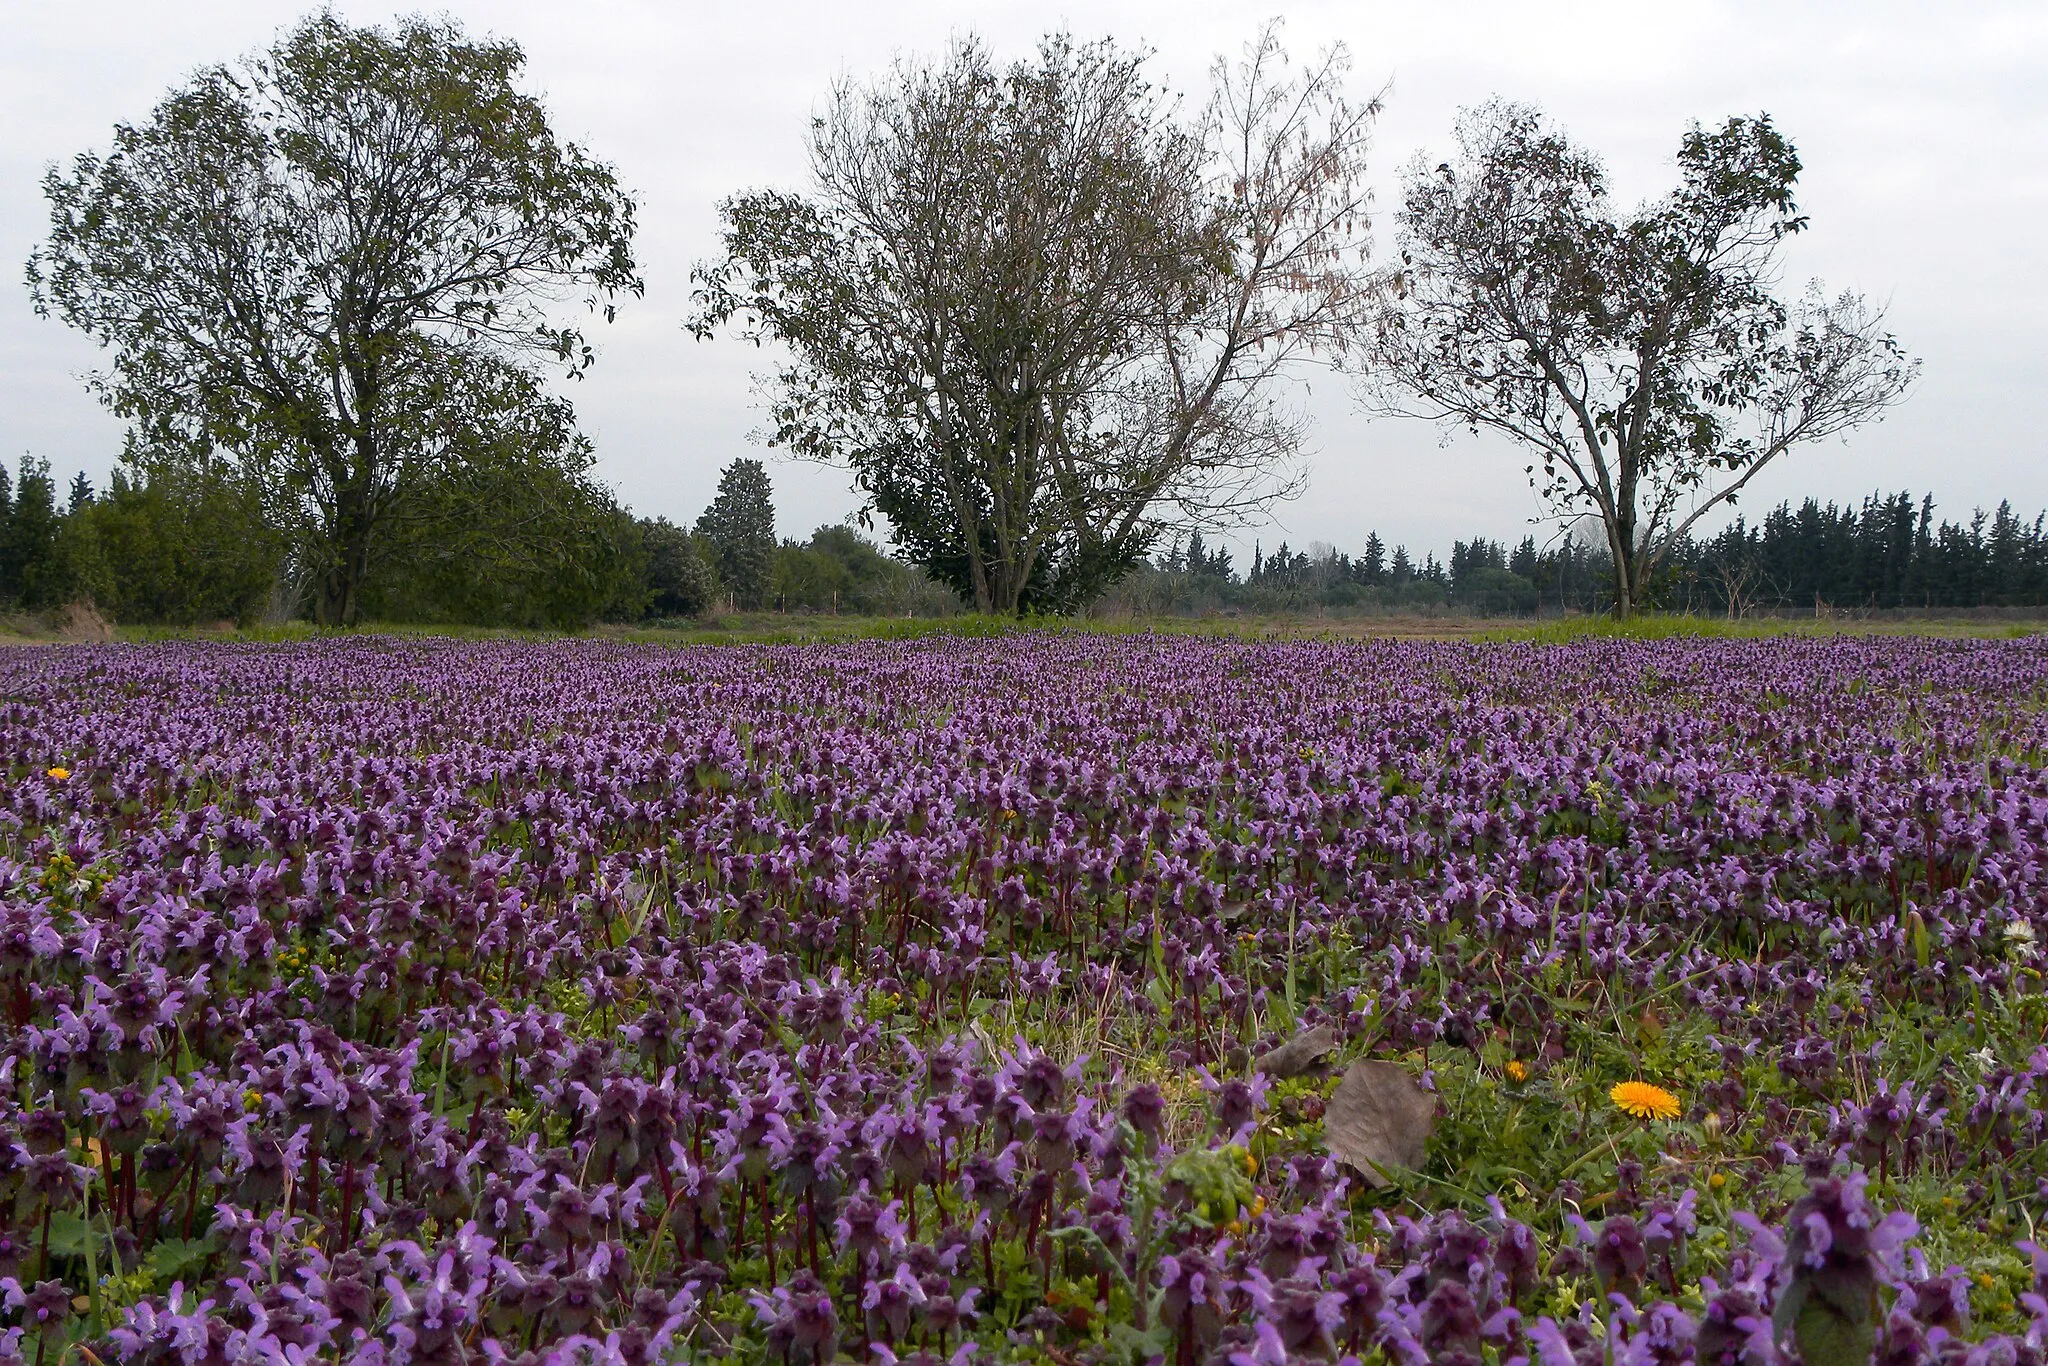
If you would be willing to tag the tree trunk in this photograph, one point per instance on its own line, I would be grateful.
(1008, 590)
(341, 588)
(1627, 587)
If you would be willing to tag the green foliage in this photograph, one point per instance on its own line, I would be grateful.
(505, 543)
(808, 579)
(680, 569)
(183, 544)
(1497, 593)
(1833, 1317)
(332, 267)
(740, 526)
(842, 571)
(30, 574)
(1213, 1185)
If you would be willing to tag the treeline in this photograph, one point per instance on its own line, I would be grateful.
(184, 543)
(1889, 552)
(180, 544)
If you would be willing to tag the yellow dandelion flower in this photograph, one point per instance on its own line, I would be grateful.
(1717, 1180)
(1644, 1101)
(1517, 1070)
(60, 773)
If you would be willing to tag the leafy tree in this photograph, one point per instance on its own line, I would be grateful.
(184, 542)
(1038, 316)
(518, 536)
(328, 263)
(1494, 592)
(680, 576)
(862, 559)
(1642, 357)
(810, 579)
(740, 526)
(841, 570)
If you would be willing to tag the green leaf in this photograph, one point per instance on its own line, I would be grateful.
(178, 1258)
(1831, 1327)
(69, 1234)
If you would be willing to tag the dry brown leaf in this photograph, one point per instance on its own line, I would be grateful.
(1298, 1054)
(1379, 1119)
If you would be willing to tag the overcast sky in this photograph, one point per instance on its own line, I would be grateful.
(1923, 128)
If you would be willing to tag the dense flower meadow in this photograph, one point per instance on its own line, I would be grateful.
(434, 1002)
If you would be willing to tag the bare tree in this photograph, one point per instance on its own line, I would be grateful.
(1641, 357)
(1040, 316)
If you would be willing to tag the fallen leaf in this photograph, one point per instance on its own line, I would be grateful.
(1378, 1120)
(1298, 1054)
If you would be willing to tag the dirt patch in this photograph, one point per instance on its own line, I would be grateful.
(81, 621)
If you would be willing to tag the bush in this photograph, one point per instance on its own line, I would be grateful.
(843, 571)
(1497, 593)
(178, 547)
(681, 581)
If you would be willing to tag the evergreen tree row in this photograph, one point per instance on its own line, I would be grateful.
(1890, 552)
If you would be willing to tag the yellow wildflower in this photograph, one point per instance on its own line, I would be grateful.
(1717, 1180)
(1517, 1070)
(60, 773)
(1644, 1101)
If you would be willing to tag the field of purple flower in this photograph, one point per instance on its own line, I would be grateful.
(432, 1002)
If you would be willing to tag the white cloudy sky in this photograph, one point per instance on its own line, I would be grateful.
(1924, 129)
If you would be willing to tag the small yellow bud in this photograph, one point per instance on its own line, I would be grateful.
(1717, 1181)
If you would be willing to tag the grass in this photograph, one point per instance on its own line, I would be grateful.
(1671, 625)
(777, 628)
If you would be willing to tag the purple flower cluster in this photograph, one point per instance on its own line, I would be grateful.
(434, 1002)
